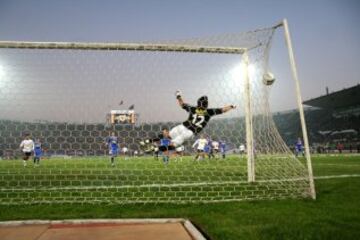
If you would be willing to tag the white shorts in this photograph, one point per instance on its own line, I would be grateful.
(180, 149)
(180, 134)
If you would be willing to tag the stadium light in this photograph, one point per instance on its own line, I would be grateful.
(251, 70)
(2, 71)
(2, 76)
(238, 72)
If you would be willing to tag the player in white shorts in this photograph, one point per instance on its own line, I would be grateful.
(198, 118)
(27, 147)
(200, 146)
(179, 152)
(215, 148)
(125, 151)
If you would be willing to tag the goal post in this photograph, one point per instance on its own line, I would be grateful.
(249, 122)
(61, 92)
(300, 105)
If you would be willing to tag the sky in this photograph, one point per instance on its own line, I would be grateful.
(325, 33)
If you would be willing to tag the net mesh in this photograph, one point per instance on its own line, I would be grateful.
(62, 97)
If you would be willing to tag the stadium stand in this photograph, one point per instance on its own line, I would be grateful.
(332, 119)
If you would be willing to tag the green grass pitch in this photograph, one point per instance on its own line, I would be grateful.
(335, 214)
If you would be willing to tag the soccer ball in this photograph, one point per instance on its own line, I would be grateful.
(268, 79)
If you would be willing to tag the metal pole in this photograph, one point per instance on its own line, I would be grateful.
(122, 46)
(301, 109)
(248, 122)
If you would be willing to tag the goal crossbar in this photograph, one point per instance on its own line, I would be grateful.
(121, 46)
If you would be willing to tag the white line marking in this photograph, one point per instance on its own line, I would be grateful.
(338, 176)
(175, 185)
(334, 164)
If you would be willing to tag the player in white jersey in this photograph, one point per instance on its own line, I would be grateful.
(242, 149)
(200, 146)
(27, 147)
(125, 151)
(215, 148)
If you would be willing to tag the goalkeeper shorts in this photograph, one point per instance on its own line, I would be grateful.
(180, 134)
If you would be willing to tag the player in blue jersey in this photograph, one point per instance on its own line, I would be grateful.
(299, 148)
(113, 145)
(211, 149)
(208, 149)
(223, 148)
(164, 144)
(38, 152)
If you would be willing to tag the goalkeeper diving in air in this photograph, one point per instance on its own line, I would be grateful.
(199, 116)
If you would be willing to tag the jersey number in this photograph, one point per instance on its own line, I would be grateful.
(198, 120)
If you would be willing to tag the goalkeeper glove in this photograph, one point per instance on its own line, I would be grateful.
(178, 94)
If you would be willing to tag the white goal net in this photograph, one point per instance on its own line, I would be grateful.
(62, 95)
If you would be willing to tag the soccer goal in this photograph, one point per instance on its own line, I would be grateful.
(71, 97)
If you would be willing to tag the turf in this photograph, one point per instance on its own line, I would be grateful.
(145, 179)
(335, 214)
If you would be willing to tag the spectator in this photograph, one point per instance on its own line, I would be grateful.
(340, 147)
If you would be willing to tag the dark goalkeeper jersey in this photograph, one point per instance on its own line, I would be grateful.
(198, 117)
